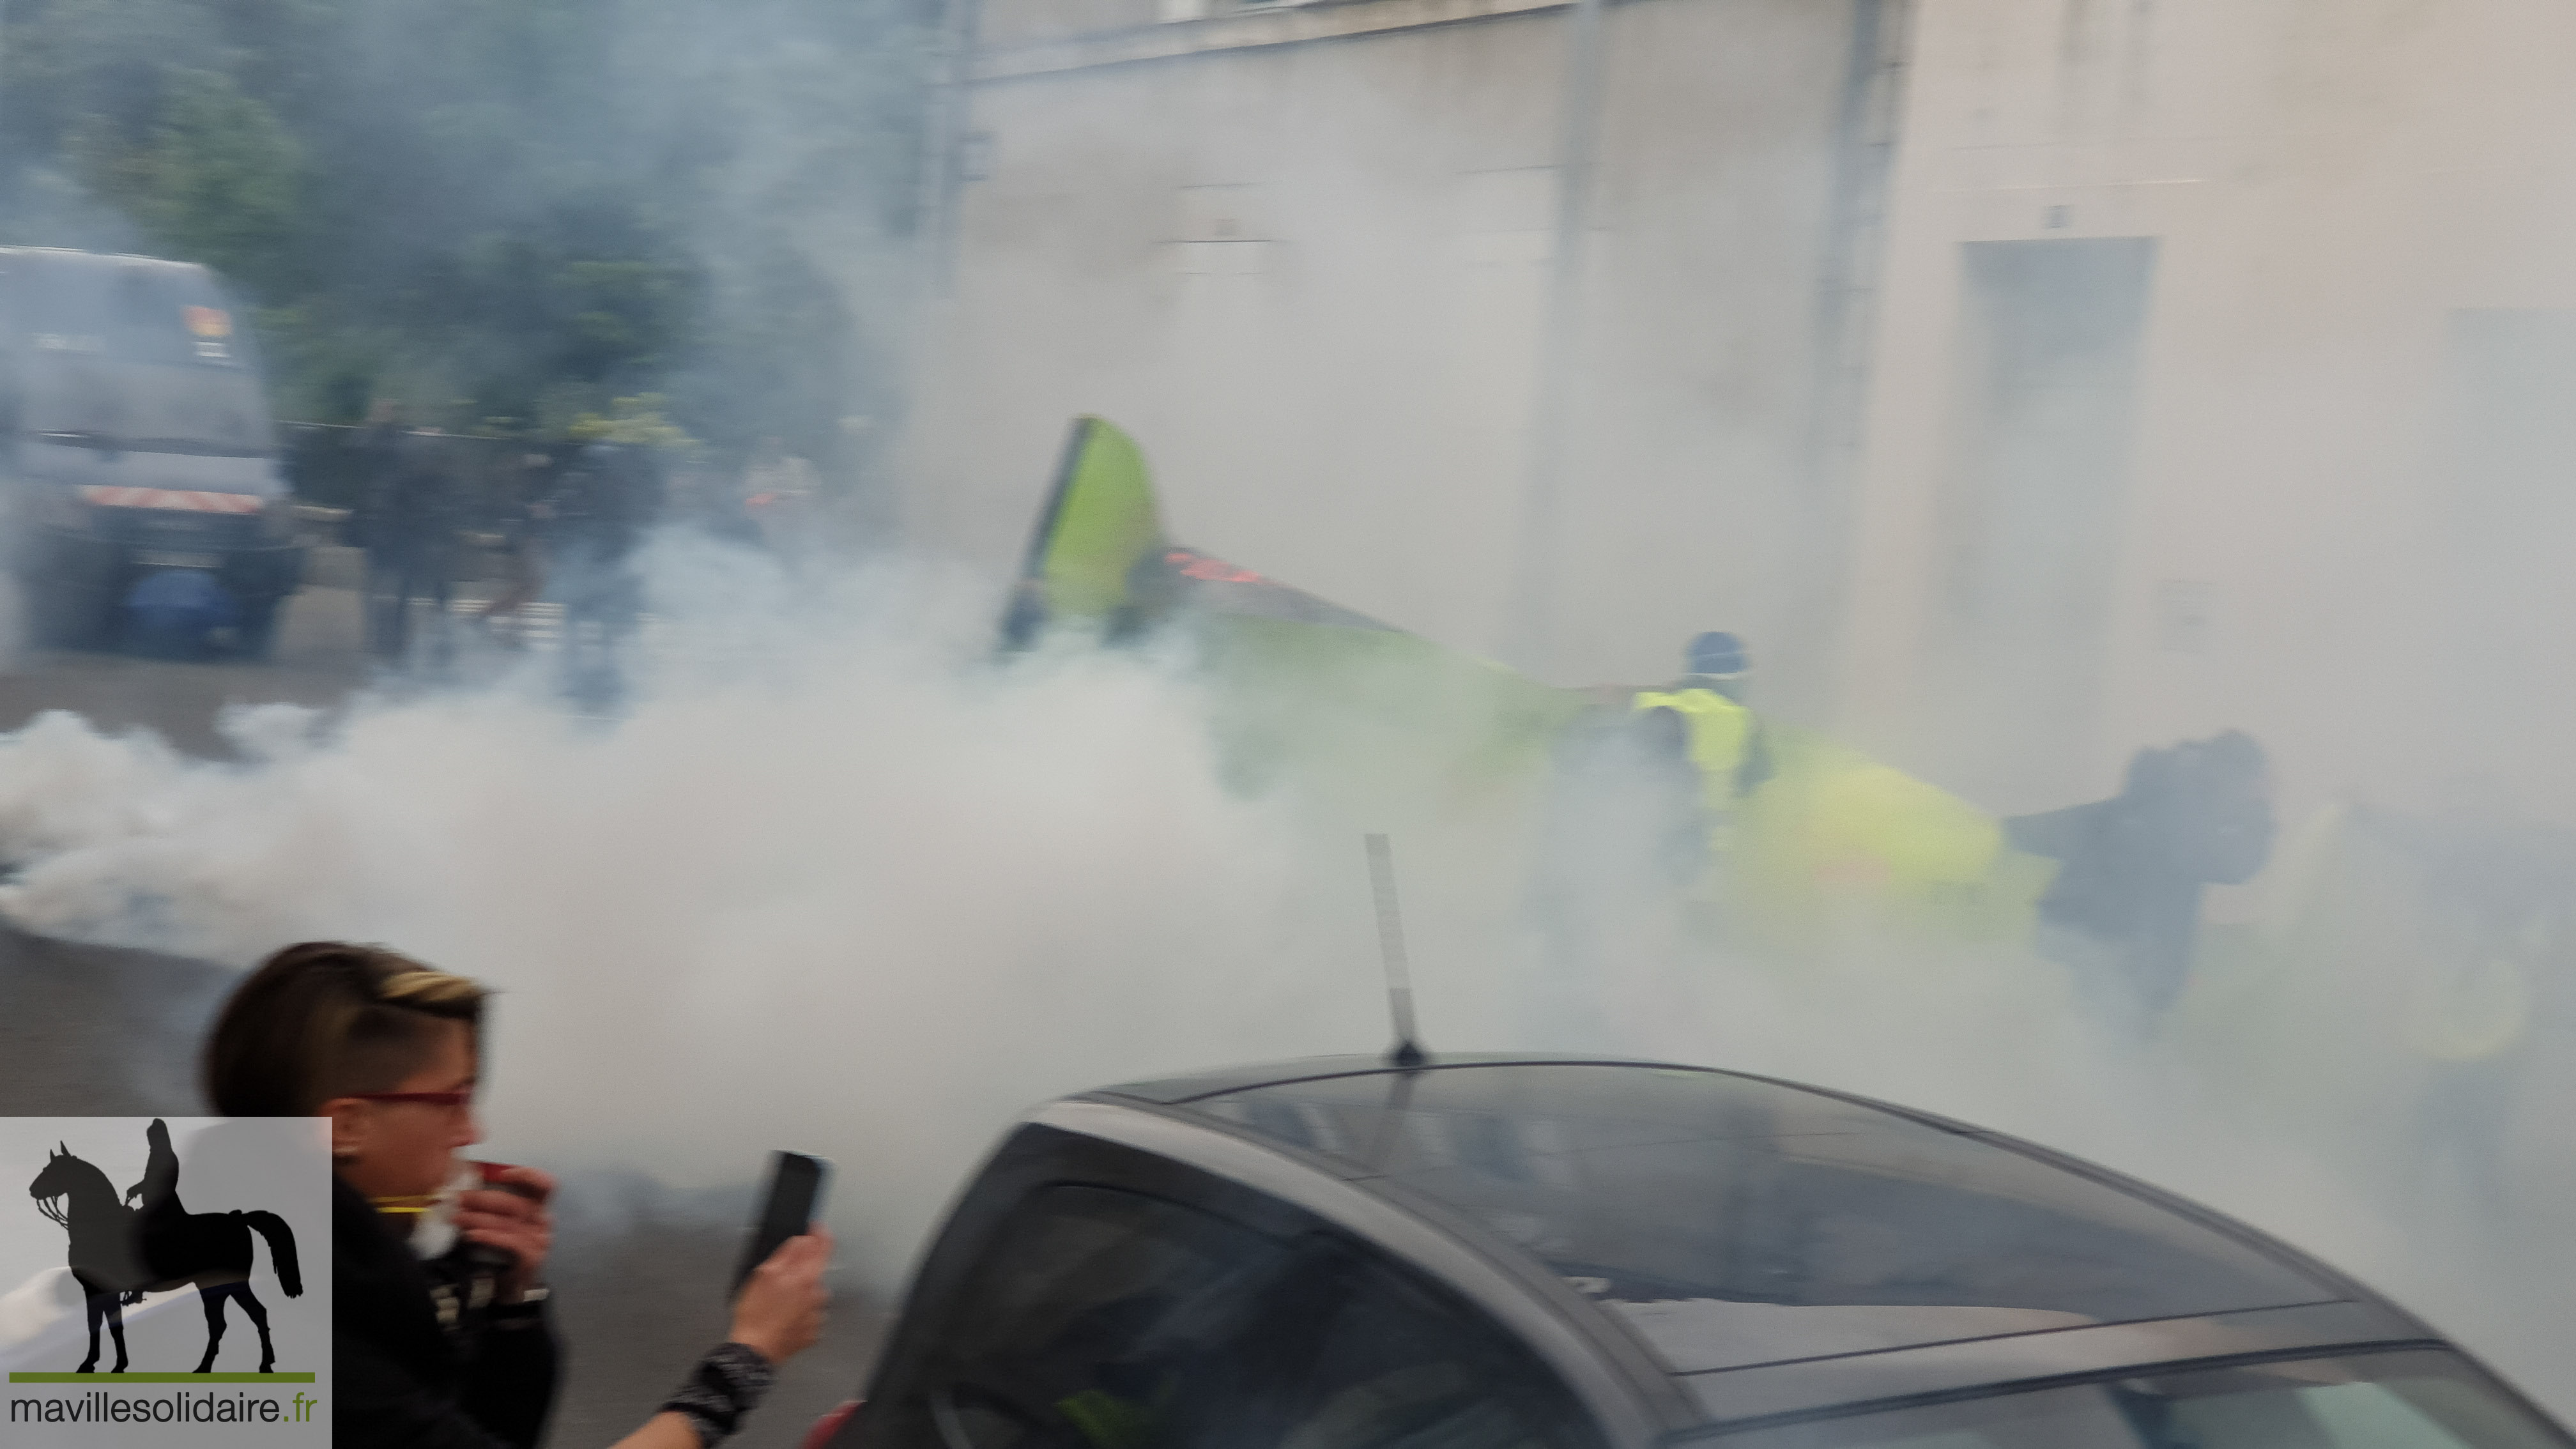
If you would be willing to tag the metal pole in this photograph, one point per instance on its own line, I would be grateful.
(1865, 139)
(943, 144)
(4, 70)
(1529, 630)
(947, 60)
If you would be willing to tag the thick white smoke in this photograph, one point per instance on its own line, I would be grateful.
(846, 888)
(836, 881)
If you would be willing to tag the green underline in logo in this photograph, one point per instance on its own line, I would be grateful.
(104, 1380)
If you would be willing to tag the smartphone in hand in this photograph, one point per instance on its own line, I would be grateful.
(787, 1209)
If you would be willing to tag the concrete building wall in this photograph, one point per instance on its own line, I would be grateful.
(2275, 452)
(1306, 256)
(2342, 508)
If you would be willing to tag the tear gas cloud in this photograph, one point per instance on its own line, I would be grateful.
(844, 891)
(837, 881)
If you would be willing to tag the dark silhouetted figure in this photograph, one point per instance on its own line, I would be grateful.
(407, 523)
(609, 500)
(521, 515)
(2124, 910)
(118, 1253)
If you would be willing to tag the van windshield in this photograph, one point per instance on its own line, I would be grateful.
(131, 356)
(103, 403)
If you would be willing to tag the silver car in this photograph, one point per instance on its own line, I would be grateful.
(1516, 1253)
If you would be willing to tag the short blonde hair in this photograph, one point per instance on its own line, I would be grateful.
(325, 1019)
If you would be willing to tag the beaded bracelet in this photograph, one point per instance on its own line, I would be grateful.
(725, 1385)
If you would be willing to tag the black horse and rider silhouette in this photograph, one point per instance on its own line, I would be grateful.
(120, 1253)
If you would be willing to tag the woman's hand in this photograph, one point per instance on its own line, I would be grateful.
(780, 1312)
(513, 1218)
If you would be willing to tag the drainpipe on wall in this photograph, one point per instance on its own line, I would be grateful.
(1847, 297)
(1529, 624)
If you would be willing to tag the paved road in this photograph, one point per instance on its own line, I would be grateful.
(93, 1031)
(318, 661)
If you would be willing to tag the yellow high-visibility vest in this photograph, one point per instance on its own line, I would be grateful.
(1721, 731)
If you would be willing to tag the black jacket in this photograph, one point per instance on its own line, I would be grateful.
(2135, 865)
(408, 499)
(403, 1381)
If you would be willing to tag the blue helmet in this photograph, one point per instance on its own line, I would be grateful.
(1718, 655)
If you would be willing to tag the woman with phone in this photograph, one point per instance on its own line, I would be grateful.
(440, 1335)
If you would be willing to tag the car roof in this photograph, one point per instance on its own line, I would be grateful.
(72, 257)
(1747, 1228)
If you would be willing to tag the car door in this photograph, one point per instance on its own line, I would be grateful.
(1091, 1296)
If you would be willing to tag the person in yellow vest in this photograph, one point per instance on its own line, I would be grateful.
(1726, 741)
(2477, 918)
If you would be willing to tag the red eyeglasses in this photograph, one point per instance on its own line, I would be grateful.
(426, 1099)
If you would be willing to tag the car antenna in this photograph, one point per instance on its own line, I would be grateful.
(1390, 944)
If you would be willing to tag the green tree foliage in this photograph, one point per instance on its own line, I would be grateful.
(509, 212)
(215, 177)
(637, 421)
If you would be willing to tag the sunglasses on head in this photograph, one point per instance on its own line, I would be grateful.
(426, 1099)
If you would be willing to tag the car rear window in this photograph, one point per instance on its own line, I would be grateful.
(1733, 1222)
